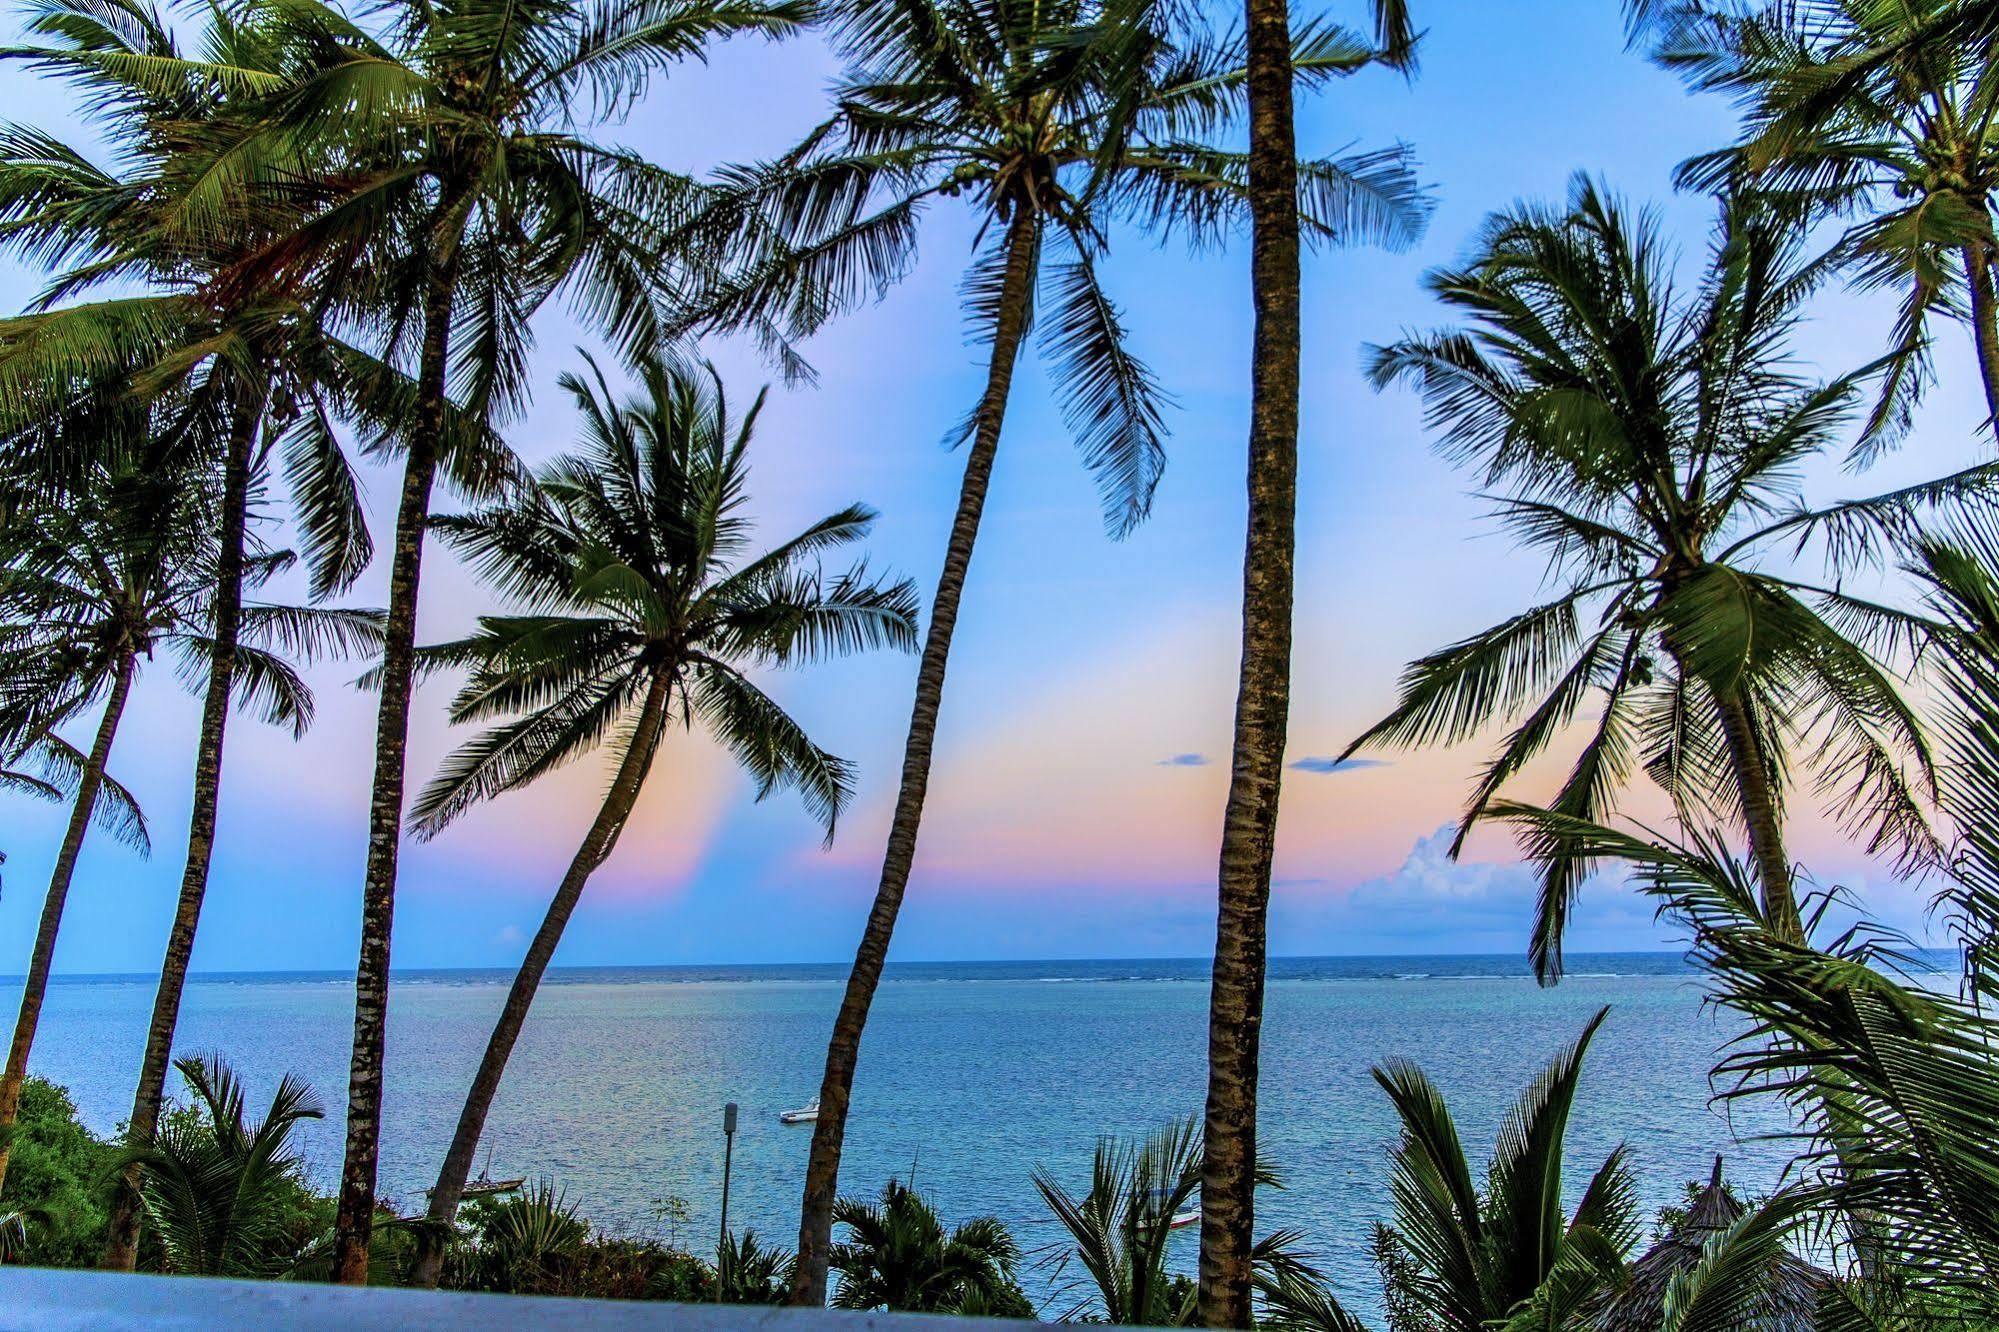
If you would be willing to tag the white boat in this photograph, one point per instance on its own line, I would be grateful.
(805, 1116)
(1181, 1219)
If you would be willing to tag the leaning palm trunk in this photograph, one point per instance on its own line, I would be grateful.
(45, 934)
(822, 1169)
(355, 1218)
(121, 1247)
(1984, 322)
(1751, 771)
(596, 849)
(1263, 696)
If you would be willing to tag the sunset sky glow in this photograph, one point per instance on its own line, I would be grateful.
(1076, 803)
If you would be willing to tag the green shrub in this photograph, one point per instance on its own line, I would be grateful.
(58, 1179)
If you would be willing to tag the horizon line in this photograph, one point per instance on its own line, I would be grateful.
(920, 962)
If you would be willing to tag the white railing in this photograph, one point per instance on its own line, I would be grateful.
(34, 1299)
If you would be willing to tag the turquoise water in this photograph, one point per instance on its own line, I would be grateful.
(971, 1074)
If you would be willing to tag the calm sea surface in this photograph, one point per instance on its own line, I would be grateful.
(971, 1073)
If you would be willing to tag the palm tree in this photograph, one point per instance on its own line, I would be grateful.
(1647, 441)
(1458, 1258)
(85, 587)
(898, 1256)
(748, 1273)
(641, 604)
(462, 192)
(264, 356)
(1263, 684)
(1119, 1232)
(219, 1189)
(1903, 144)
(98, 576)
(1892, 1082)
(1119, 1229)
(526, 1244)
(1053, 122)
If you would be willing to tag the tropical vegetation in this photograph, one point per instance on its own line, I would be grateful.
(310, 235)
(1649, 443)
(640, 606)
(895, 1254)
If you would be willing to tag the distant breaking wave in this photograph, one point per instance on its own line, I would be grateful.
(1109, 971)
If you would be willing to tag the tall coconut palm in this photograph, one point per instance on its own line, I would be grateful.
(641, 604)
(94, 579)
(898, 1256)
(1891, 1081)
(460, 189)
(1646, 440)
(1263, 685)
(265, 354)
(1903, 144)
(1053, 122)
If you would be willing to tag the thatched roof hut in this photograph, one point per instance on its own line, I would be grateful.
(1793, 1288)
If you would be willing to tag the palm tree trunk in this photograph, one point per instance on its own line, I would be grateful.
(1759, 811)
(52, 905)
(1263, 694)
(1984, 323)
(354, 1220)
(595, 850)
(121, 1248)
(822, 1168)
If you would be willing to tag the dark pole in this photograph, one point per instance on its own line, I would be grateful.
(728, 1159)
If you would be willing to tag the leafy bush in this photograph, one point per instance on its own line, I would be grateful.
(58, 1180)
(535, 1243)
(225, 1195)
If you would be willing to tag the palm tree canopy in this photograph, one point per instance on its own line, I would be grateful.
(1647, 441)
(55, 770)
(1458, 1258)
(166, 115)
(449, 138)
(219, 1186)
(1855, 110)
(629, 562)
(123, 561)
(1074, 115)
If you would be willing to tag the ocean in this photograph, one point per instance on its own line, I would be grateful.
(971, 1074)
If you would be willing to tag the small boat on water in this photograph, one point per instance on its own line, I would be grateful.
(807, 1115)
(1190, 1213)
(485, 1185)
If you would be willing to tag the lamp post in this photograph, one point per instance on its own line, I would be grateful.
(728, 1159)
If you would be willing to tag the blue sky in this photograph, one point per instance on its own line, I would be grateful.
(1076, 803)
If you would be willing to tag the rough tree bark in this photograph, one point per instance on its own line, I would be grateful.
(1984, 324)
(45, 934)
(1263, 696)
(822, 1170)
(597, 846)
(1759, 812)
(355, 1217)
(121, 1248)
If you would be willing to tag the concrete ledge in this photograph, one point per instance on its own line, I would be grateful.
(37, 1299)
